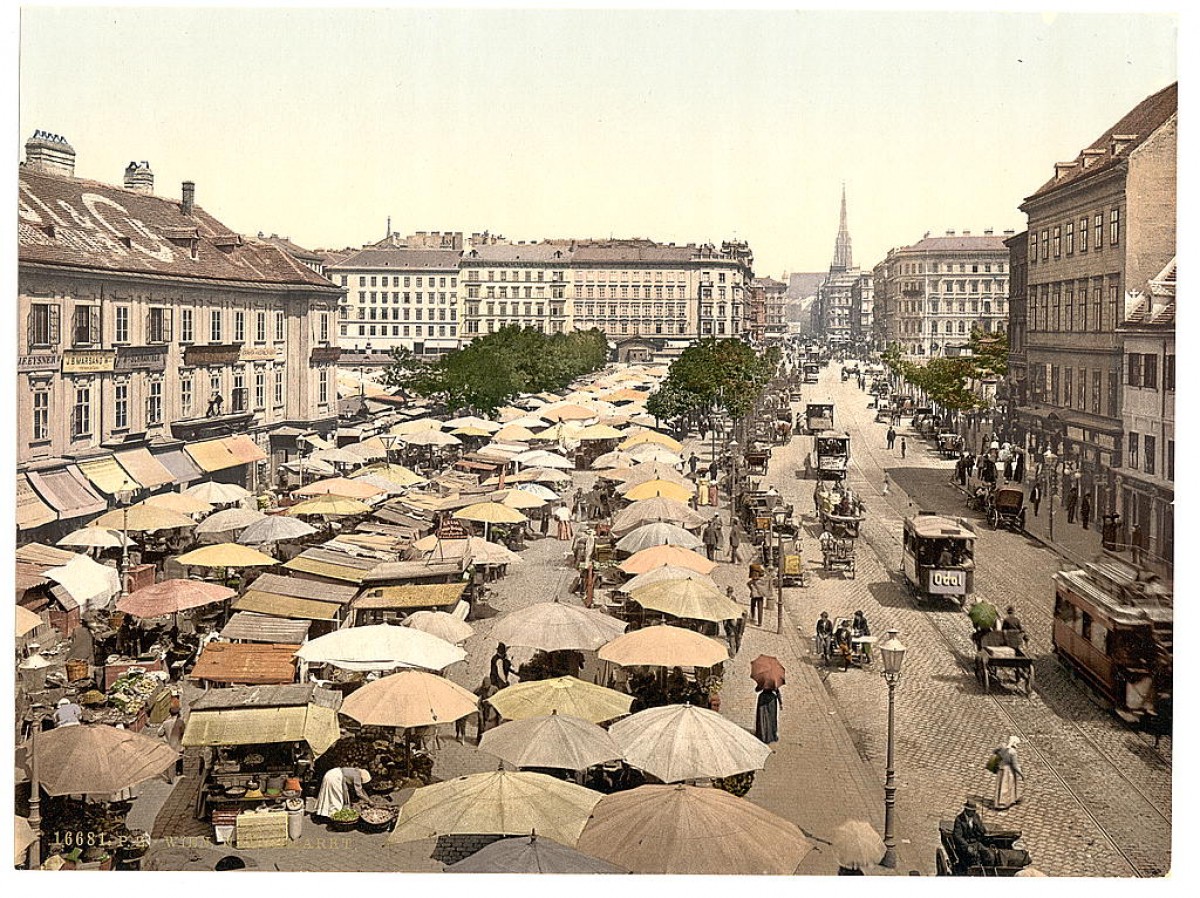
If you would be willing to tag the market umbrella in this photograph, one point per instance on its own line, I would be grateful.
(515, 498)
(410, 698)
(857, 845)
(561, 695)
(692, 830)
(429, 437)
(471, 432)
(180, 502)
(536, 489)
(367, 449)
(94, 538)
(651, 437)
(647, 452)
(556, 626)
(96, 759)
(685, 742)
(549, 475)
(473, 421)
(229, 519)
(555, 740)
(653, 470)
(596, 432)
(658, 509)
(657, 556)
(26, 621)
(440, 624)
(337, 456)
(500, 803)
(142, 518)
(398, 474)
(650, 489)
(477, 548)
(273, 529)
(983, 615)
(329, 506)
(689, 599)
(667, 573)
(531, 854)
(380, 647)
(172, 596)
(418, 425)
(664, 646)
(529, 422)
(339, 486)
(569, 413)
(657, 534)
(489, 513)
(23, 837)
(216, 493)
(226, 555)
(616, 459)
(514, 433)
(540, 458)
(767, 672)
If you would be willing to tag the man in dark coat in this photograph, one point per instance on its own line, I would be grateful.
(501, 667)
(693, 461)
(1035, 498)
(1072, 502)
(735, 539)
(1085, 510)
(711, 539)
(891, 437)
(969, 832)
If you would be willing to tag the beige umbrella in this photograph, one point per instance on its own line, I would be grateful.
(475, 422)
(657, 556)
(689, 599)
(94, 538)
(172, 596)
(337, 456)
(652, 438)
(664, 646)
(471, 432)
(340, 486)
(684, 742)
(658, 534)
(142, 518)
(519, 499)
(857, 845)
(616, 459)
(556, 740)
(667, 489)
(529, 422)
(410, 698)
(514, 433)
(23, 837)
(531, 854)
(26, 621)
(229, 519)
(549, 475)
(556, 626)
(561, 695)
(226, 555)
(95, 759)
(430, 437)
(489, 513)
(440, 624)
(596, 432)
(499, 803)
(216, 493)
(692, 830)
(380, 647)
(275, 528)
(540, 458)
(653, 470)
(416, 425)
(667, 573)
(398, 474)
(648, 452)
(329, 506)
(180, 502)
(658, 509)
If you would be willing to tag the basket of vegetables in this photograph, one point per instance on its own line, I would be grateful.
(344, 820)
(376, 820)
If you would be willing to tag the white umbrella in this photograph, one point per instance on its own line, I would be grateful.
(216, 493)
(683, 742)
(229, 519)
(658, 533)
(667, 572)
(273, 529)
(536, 489)
(380, 647)
(556, 626)
(338, 457)
(94, 538)
(652, 452)
(440, 624)
(430, 437)
(555, 740)
(540, 458)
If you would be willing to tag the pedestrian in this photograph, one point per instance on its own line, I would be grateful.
(486, 713)
(173, 735)
(735, 539)
(579, 506)
(693, 462)
(1072, 502)
(903, 447)
(766, 718)
(501, 667)
(891, 437)
(824, 642)
(1019, 467)
(1008, 775)
(563, 517)
(1035, 498)
(1085, 510)
(887, 483)
(757, 599)
(340, 787)
(711, 538)
(1137, 542)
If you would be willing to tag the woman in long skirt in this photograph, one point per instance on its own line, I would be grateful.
(766, 720)
(1008, 776)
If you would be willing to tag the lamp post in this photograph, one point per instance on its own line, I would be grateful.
(892, 652)
(731, 480)
(362, 377)
(124, 496)
(778, 516)
(1050, 470)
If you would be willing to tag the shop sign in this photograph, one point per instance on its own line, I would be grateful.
(325, 354)
(947, 583)
(220, 354)
(39, 361)
(258, 354)
(1075, 433)
(141, 358)
(88, 361)
(1104, 439)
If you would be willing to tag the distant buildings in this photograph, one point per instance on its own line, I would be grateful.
(765, 315)
(834, 313)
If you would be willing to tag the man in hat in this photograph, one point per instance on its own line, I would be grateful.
(173, 736)
(67, 713)
(969, 832)
(501, 666)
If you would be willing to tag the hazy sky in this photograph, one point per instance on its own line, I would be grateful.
(683, 126)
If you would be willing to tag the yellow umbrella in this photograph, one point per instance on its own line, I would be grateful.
(515, 498)
(650, 489)
(514, 433)
(561, 695)
(470, 431)
(691, 599)
(339, 486)
(141, 518)
(398, 474)
(569, 413)
(664, 646)
(597, 432)
(490, 513)
(329, 505)
(226, 555)
(417, 425)
(651, 436)
(657, 556)
(180, 502)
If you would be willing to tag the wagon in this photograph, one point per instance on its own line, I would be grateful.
(838, 555)
(949, 863)
(1006, 507)
(950, 445)
(1004, 664)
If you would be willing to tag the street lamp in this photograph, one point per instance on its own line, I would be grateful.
(892, 651)
(1050, 473)
(362, 377)
(778, 518)
(124, 497)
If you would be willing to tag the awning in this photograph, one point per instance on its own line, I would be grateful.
(249, 627)
(31, 510)
(144, 468)
(67, 492)
(91, 584)
(286, 606)
(263, 726)
(109, 476)
(412, 595)
(180, 464)
(244, 449)
(212, 455)
(246, 663)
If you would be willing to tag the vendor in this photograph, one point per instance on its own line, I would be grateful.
(67, 713)
(339, 787)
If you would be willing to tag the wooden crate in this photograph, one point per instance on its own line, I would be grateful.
(265, 830)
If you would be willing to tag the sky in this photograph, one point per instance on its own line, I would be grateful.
(684, 126)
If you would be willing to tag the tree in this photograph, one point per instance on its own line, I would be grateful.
(714, 375)
(989, 352)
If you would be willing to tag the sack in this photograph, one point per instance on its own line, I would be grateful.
(993, 764)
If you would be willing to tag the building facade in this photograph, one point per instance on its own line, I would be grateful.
(1013, 388)
(145, 325)
(862, 309)
(932, 294)
(521, 284)
(835, 313)
(1103, 222)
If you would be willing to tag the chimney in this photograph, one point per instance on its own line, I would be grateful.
(987, 232)
(189, 198)
(966, 233)
(1009, 233)
(50, 153)
(139, 178)
(949, 233)
(1062, 169)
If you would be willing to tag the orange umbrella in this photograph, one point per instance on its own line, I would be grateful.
(767, 672)
(656, 556)
(651, 489)
(171, 596)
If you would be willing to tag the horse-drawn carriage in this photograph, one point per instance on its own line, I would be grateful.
(840, 511)
(757, 458)
(996, 856)
(1005, 507)
(833, 456)
(818, 416)
(838, 555)
(950, 445)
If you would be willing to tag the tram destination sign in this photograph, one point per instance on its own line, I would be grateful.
(947, 583)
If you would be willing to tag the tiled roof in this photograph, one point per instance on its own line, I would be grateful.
(961, 243)
(518, 252)
(85, 224)
(291, 248)
(401, 257)
(1142, 121)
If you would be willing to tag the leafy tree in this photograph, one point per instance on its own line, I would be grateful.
(989, 351)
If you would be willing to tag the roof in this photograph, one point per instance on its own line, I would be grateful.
(333, 565)
(932, 526)
(294, 695)
(249, 663)
(293, 249)
(961, 243)
(43, 556)
(414, 570)
(518, 252)
(411, 595)
(250, 627)
(73, 222)
(1138, 124)
(287, 606)
(402, 258)
(280, 585)
(262, 726)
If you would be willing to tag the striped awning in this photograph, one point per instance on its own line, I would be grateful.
(107, 475)
(67, 491)
(212, 455)
(31, 510)
(144, 468)
(180, 464)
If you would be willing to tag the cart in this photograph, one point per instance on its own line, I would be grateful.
(1004, 664)
(838, 555)
(949, 863)
(1006, 508)
(950, 445)
(756, 461)
(792, 570)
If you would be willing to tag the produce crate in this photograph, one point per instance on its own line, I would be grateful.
(262, 830)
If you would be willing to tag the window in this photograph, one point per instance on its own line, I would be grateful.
(121, 405)
(1045, 244)
(1150, 371)
(1083, 234)
(1169, 373)
(121, 324)
(1170, 472)
(324, 329)
(187, 325)
(1134, 444)
(278, 386)
(239, 390)
(1068, 387)
(1150, 455)
(1057, 241)
(323, 386)
(1070, 238)
(185, 395)
(158, 326)
(214, 326)
(81, 413)
(154, 402)
(1098, 224)
(41, 412)
(260, 389)
(42, 325)
(1055, 386)
(279, 326)
(1114, 393)
(85, 326)
(1114, 227)
(260, 327)
(1032, 254)
(239, 327)
(1095, 406)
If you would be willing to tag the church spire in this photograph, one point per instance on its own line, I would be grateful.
(843, 255)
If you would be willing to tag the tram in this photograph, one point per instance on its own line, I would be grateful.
(939, 557)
